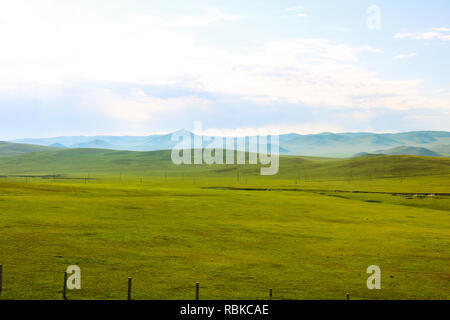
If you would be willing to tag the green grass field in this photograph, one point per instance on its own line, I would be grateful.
(309, 232)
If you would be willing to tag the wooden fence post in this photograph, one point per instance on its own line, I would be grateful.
(197, 289)
(129, 288)
(65, 286)
(1, 277)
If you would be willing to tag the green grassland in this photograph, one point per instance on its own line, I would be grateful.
(309, 232)
(12, 149)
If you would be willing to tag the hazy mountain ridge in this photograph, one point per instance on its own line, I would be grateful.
(416, 151)
(323, 144)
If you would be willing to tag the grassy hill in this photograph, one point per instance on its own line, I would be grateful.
(309, 232)
(10, 149)
(158, 163)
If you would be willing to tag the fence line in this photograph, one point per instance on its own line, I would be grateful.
(129, 296)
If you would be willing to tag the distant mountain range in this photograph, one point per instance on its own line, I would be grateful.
(413, 151)
(433, 143)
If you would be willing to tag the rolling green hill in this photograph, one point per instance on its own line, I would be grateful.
(309, 232)
(157, 163)
(11, 149)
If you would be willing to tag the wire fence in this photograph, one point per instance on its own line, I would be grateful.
(45, 283)
(116, 285)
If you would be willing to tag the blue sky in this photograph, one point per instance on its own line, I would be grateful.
(140, 67)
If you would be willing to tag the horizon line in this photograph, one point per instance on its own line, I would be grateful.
(207, 135)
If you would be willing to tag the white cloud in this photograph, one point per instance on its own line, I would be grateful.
(137, 107)
(405, 56)
(442, 29)
(291, 9)
(50, 46)
(213, 16)
(437, 33)
(297, 12)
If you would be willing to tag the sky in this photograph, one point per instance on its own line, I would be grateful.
(138, 67)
